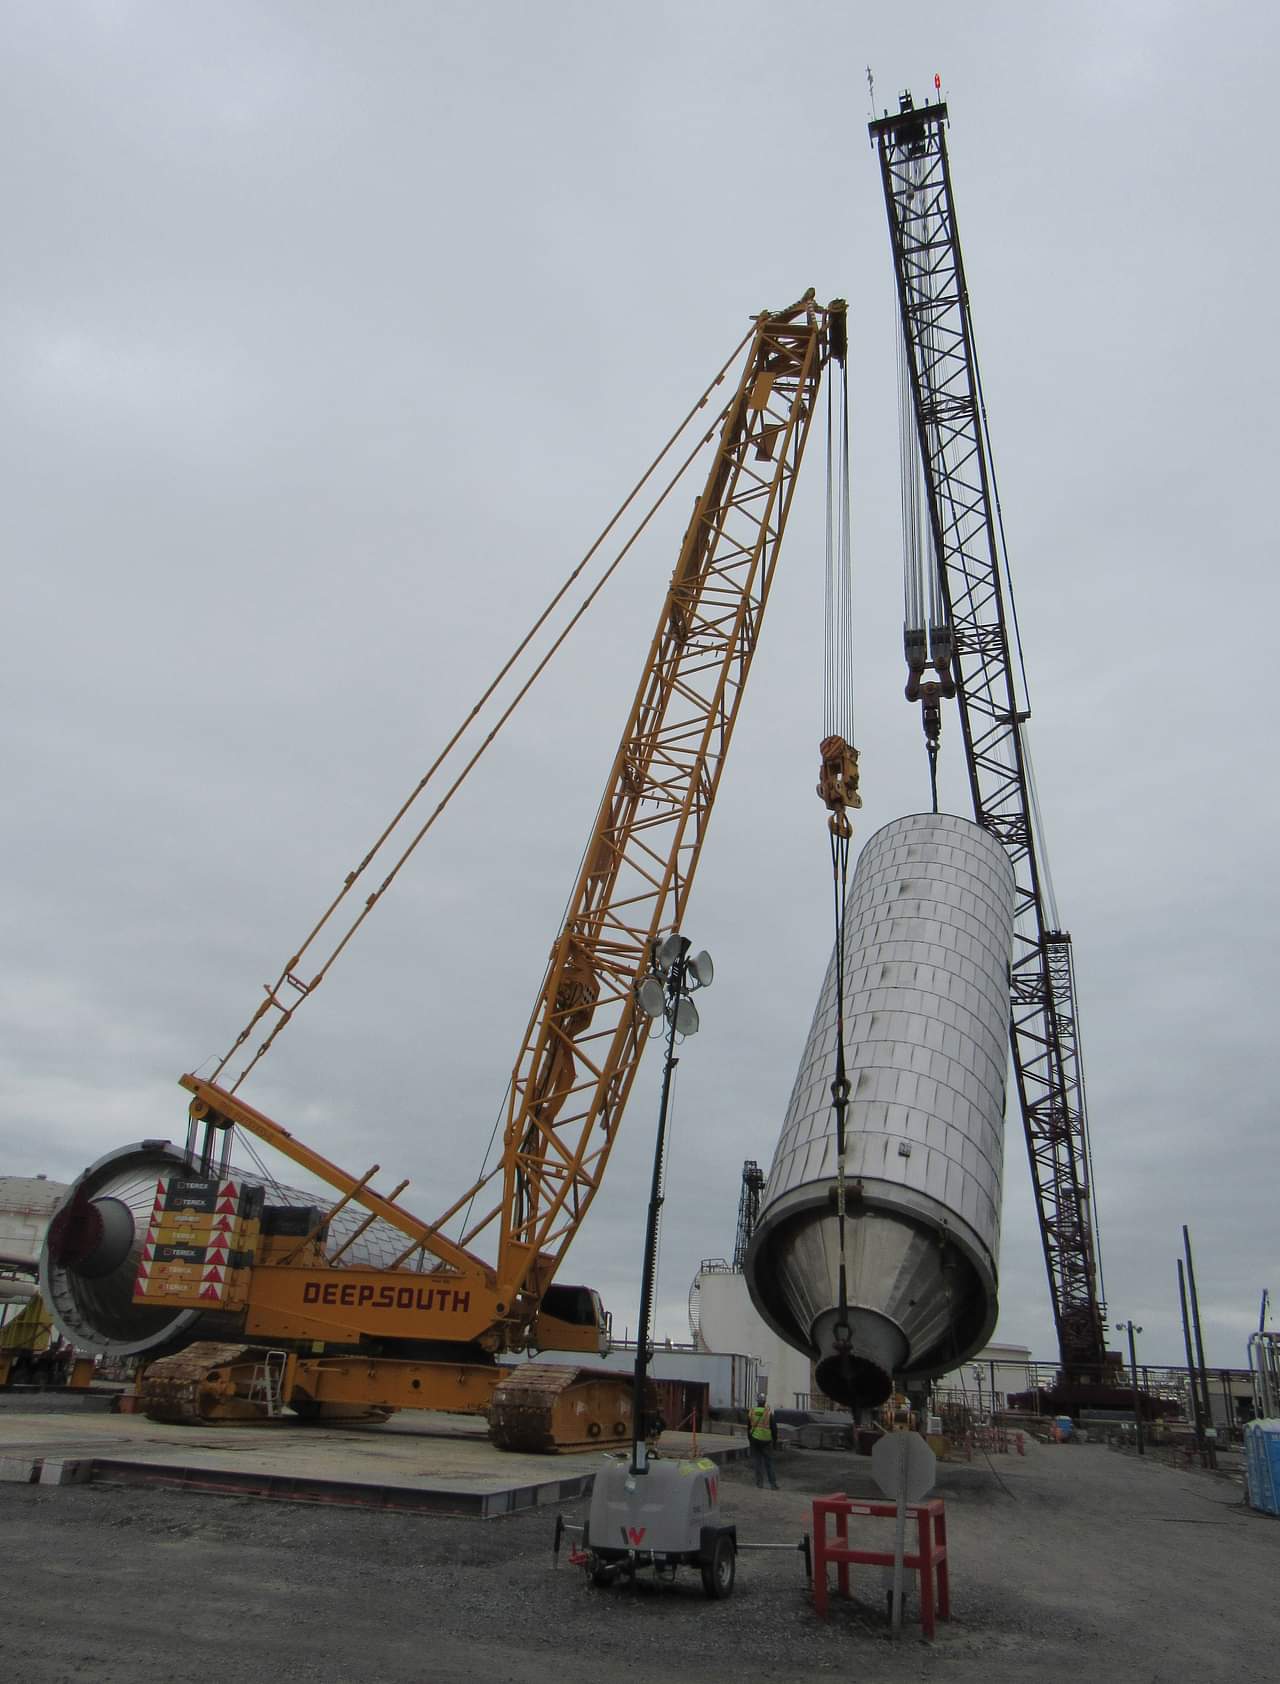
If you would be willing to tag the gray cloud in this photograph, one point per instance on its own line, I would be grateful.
(333, 335)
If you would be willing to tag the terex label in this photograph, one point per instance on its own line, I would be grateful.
(191, 1195)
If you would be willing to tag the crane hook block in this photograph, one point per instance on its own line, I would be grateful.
(916, 648)
(941, 647)
(838, 782)
(931, 694)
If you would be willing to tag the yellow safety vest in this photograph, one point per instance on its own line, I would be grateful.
(760, 1422)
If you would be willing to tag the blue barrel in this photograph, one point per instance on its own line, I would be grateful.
(1262, 1465)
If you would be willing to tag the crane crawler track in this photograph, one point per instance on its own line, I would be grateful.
(544, 1407)
(216, 1385)
(199, 1386)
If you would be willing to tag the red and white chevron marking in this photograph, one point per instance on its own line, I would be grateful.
(213, 1279)
(149, 1241)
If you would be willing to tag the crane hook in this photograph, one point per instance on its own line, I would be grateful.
(838, 783)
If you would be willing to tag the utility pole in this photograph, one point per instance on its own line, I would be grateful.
(1129, 1328)
(1210, 1431)
(1193, 1382)
(664, 993)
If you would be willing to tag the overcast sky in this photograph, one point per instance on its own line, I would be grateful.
(332, 334)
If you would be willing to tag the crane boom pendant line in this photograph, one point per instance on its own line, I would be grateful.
(937, 334)
(290, 988)
(926, 642)
(838, 758)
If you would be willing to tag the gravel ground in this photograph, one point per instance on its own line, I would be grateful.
(1084, 1563)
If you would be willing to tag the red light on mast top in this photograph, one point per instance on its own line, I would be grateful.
(937, 83)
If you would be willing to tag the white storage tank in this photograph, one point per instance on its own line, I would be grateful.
(27, 1202)
(928, 941)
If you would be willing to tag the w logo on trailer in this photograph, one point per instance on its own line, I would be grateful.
(634, 1535)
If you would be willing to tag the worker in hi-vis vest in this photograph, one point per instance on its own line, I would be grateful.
(762, 1433)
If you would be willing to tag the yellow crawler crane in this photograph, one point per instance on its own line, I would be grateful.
(243, 1307)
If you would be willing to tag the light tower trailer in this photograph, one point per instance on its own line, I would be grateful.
(646, 1511)
(666, 1518)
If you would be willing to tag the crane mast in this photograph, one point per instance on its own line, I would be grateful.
(947, 402)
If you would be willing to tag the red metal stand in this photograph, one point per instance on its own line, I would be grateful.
(929, 1558)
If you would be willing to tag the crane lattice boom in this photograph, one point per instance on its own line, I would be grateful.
(946, 390)
(584, 1040)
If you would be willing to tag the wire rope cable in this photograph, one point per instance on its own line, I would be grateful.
(909, 476)
(485, 1174)
(838, 667)
(1037, 830)
(926, 559)
(828, 575)
(1095, 1226)
(288, 977)
(926, 630)
(848, 723)
(985, 1453)
(996, 504)
(839, 721)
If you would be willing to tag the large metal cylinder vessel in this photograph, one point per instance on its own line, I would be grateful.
(928, 941)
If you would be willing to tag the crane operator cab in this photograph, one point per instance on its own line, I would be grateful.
(572, 1318)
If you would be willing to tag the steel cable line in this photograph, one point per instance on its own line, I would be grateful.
(910, 501)
(927, 641)
(838, 721)
(288, 977)
(838, 687)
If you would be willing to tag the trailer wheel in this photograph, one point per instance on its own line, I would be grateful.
(718, 1573)
(598, 1572)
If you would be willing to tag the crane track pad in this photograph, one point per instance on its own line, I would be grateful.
(198, 1386)
(542, 1408)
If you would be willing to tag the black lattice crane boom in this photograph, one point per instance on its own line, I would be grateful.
(753, 1180)
(962, 518)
